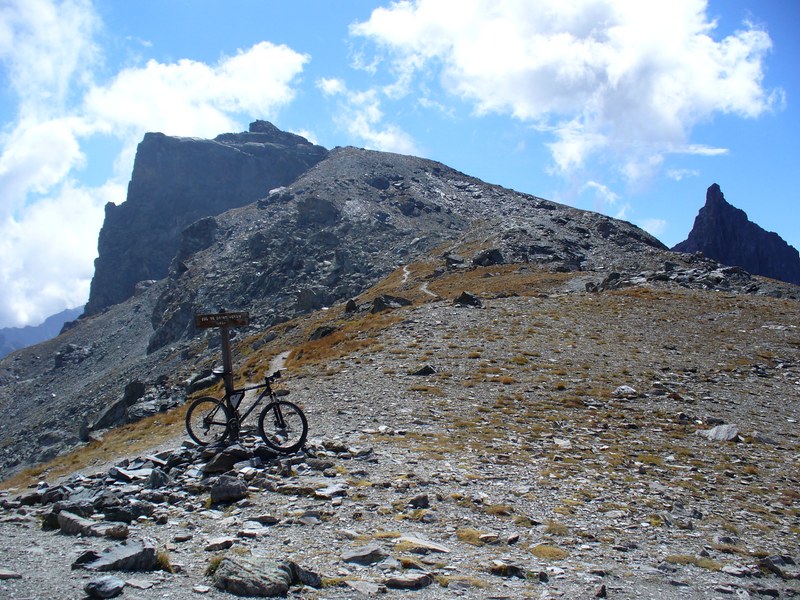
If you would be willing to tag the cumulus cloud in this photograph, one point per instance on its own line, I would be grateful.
(192, 98)
(359, 113)
(48, 264)
(45, 47)
(603, 78)
(48, 222)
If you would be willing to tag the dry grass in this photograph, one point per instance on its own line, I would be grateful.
(355, 335)
(118, 443)
(549, 552)
(697, 561)
(470, 536)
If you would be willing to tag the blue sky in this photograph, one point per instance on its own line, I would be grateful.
(631, 108)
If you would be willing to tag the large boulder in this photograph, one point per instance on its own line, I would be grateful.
(261, 577)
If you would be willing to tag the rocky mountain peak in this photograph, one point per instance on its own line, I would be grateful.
(714, 196)
(724, 233)
(177, 181)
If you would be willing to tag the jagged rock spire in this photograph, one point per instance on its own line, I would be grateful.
(723, 232)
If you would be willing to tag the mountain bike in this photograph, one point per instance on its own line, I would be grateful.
(282, 424)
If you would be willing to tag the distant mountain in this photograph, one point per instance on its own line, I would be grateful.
(724, 233)
(14, 338)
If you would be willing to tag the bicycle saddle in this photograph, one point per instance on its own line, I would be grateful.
(218, 371)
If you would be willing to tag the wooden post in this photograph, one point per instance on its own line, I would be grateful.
(224, 320)
(227, 361)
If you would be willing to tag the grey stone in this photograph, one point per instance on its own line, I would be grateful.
(420, 501)
(219, 543)
(116, 412)
(104, 587)
(423, 371)
(226, 458)
(228, 489)
(625, 391)
(71, 524)
(159, 479)
(334, 490)
(366, 555)
(114, 531)
(721, 433)
(414, 581)
(127, 556)
(419, 545)
(387, 302)
(468, 299)
(262, 577)
(5, 574)
(486, 258)
(365, 588)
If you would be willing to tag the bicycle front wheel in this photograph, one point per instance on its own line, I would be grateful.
(283, 426)
(208, 421)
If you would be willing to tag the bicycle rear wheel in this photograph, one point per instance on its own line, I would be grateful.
(208, 421)
(283, 426)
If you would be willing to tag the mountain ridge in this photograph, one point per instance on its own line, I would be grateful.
(325, 238)
(14, 338)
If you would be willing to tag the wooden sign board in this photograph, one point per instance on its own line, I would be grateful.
(226, 319)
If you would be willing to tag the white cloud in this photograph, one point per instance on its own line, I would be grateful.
(604, 196)
(359, 113)
(45, 46)
(192, 98)
(35, 156)
(48, 222)
(331, 86)
(309, 135)
(49, 251)
(680, 174)
(654, 227)
(701, 150)
(622, 211)
(608, 79)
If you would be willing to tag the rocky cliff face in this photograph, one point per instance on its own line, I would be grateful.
(724, 233)
(177, 181)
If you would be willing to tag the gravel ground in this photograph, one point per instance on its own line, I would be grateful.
(552, 449)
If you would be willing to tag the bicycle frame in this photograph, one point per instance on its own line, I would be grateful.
(235, 409)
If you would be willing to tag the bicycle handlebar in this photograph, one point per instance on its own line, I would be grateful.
(273, 377)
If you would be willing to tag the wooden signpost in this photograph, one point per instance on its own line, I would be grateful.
(224, 320)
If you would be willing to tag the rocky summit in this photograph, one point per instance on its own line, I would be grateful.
(507, 398)
(724, 233)
(177, 181)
